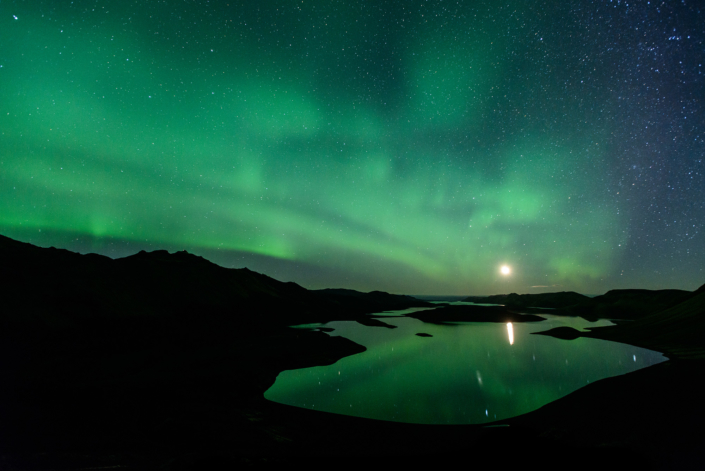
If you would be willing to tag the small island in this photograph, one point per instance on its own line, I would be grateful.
(472, 313)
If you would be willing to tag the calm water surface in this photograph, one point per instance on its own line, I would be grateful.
(467, 373)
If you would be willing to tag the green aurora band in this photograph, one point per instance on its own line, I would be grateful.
(413, 160)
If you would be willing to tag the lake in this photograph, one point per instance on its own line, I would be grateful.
(467, 373)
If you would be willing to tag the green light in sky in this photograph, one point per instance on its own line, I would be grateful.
(111, 132)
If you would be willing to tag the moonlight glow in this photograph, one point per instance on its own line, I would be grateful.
(505, 270)
(403, 146)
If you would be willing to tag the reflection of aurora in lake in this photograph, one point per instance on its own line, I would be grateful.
(464, 374)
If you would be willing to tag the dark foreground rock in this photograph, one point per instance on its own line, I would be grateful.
(471, 313)
(423, 334)
(655, 412)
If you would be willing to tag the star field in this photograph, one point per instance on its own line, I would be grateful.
(406, 146)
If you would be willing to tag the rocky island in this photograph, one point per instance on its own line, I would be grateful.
(472, 313)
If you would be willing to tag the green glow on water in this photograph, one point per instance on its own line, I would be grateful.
(464, 374)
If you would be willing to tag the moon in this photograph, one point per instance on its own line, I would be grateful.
(505, 270)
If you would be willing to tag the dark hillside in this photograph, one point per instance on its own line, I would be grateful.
(630, 303)
(374, 301)
(61, 286)
(676, 331)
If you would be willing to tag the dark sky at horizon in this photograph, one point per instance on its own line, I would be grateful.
(407, 146)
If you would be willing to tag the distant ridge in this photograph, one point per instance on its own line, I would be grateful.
(549, 300)
(628, 304)
(369, 302)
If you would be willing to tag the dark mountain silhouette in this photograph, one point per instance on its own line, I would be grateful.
(56, 282)
(369, 302)
(630, 303)
(626, 304)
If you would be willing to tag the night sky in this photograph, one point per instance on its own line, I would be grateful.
(406, 146)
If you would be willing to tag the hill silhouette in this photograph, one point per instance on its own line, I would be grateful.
(547, 300)
(677, 330)
(55, 283)
(625, 304)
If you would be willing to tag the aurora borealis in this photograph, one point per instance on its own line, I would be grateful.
(407, 146)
